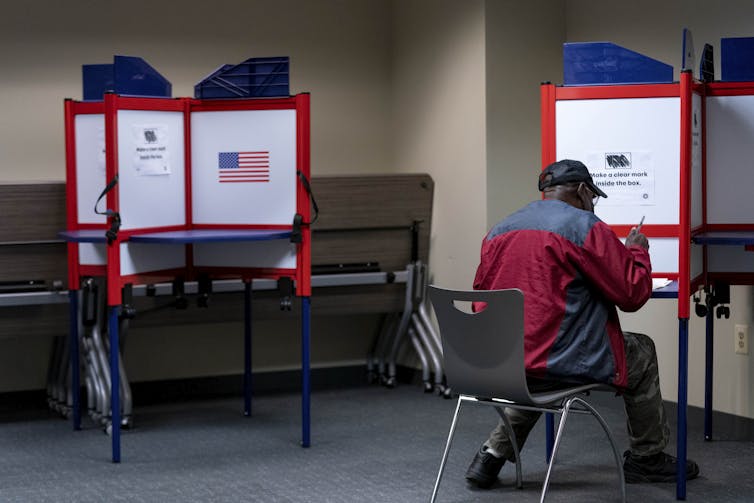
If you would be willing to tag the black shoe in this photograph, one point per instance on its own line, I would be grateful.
(484, 469)
(658, 467)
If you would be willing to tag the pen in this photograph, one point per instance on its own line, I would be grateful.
(638, 227)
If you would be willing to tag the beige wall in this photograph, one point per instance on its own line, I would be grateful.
(339, 52)
(439, 122)
(523, 50)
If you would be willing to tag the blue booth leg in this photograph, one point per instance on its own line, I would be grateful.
(683, 373)
(247, 349)
(113, 327)
(305, 381)
(708, 356)
(549, 435)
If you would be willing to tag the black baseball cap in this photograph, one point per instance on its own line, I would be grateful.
(567, 171)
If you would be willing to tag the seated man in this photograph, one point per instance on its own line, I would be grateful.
(574, 272)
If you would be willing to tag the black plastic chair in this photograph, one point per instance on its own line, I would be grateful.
(484, 363)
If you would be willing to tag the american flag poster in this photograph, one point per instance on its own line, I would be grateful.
(243, 167)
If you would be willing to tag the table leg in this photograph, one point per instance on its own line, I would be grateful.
(113, 327)
(73, 334)
(305, 378)
(683, 360)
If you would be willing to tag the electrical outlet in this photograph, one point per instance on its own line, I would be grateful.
(741, 339)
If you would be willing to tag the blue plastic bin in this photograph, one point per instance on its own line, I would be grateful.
(737, 59)
(97, 79)
(128, 75)
(254, 78)
(599, 63)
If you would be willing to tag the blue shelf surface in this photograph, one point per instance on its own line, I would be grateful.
(210, 236)
(742, 238)
(84, 236)
(181, 237)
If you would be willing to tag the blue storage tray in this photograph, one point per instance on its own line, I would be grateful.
(128, 75)
(255, 77)
(599, 63)
(97, 80)
(737, 59)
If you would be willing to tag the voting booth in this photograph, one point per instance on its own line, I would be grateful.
(729, 211)
(643, 146)
(163, 189)
(675, 156)
(642, 141)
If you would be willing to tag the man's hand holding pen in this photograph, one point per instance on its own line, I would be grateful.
(635, 237)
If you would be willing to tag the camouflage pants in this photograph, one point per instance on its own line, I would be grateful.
(647, 425)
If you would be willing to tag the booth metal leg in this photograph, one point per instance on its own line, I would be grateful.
(73, 333)
(305, 383)
(247, 349)
(708, 371)
(113, 327)
(683, 362)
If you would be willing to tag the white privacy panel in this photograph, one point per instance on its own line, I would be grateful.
(243, 167)
(136, 258)
(632, 150)
(277, 254)
(696, 161)
(726, 258)
(663, 252)
(697, 260)
(90, 166)
(730, 163)
(92, 253)
(151, 168)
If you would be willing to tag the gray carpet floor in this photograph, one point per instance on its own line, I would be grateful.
(369, 444)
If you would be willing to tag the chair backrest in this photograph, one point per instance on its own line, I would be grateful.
(483, 351)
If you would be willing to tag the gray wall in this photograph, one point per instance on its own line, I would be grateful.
(439, 122)
(524, 41)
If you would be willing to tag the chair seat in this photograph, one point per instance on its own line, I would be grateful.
(554, 397)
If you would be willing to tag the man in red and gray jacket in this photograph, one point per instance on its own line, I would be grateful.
(574, 273)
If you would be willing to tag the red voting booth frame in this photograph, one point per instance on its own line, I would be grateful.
(683, 231)
(111, 105)
(79, 232)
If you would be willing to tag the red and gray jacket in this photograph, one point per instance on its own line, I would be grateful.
(573, 271)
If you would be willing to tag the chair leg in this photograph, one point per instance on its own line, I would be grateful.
(514, 443)
(556, 444)
(447, 449)
(602, 422)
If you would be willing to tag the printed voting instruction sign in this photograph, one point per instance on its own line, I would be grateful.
(627, 177)
(151, 149)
